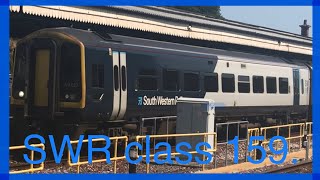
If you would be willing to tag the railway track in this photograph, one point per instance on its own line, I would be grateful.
(290, 168)
(48, 163)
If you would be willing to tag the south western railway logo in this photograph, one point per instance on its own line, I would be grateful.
(157, 101)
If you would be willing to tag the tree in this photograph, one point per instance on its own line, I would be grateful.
(210, 11)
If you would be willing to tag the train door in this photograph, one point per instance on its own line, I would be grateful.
(296, 87)
(41, 79)
(42, 60)
(119, 85)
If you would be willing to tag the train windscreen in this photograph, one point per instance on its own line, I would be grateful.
(70, 72)
(19, 73)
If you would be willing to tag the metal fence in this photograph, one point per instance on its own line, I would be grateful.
(286, 133)
(172, 154)
(238, 124)
(301, 130)
(156, 126)
(253, 132)
(32, 168)
(115, 158)
(153, 123)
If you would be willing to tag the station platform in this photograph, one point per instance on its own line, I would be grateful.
(247, 166)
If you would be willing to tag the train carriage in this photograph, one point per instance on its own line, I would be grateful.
(72, 81)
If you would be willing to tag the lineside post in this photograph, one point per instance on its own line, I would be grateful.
(307, 150)
(306, 144)
(259, 153)
(133, 153)
(305, 137)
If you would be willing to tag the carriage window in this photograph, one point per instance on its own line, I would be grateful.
(147, 80)
(98, 75)
(271, 85)
(211, 83)
(258, 85)
(283, 86)
(148, 72)
(243, 84)
(228, 83)
(116, 77)
(124, 78)
(171, 80)
(147, 83)
(191, 82)
(302, 86)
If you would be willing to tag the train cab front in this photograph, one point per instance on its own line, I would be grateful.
(48, 88)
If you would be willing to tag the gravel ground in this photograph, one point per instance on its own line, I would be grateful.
(123, 166)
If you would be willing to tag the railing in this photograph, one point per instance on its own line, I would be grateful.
(172, 154)
(31, 169)
(115, 157)
(304, 129)
(289, 137)
(253, 132)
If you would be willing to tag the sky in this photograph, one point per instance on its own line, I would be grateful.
(285, 18)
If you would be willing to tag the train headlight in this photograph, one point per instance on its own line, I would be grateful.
(67, 96)
(21, 94)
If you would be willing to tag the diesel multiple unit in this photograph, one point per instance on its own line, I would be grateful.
(72, 81)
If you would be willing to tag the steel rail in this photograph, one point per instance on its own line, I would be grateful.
(290, 168)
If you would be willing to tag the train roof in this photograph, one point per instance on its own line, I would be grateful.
(220, 54)
(91, 38)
